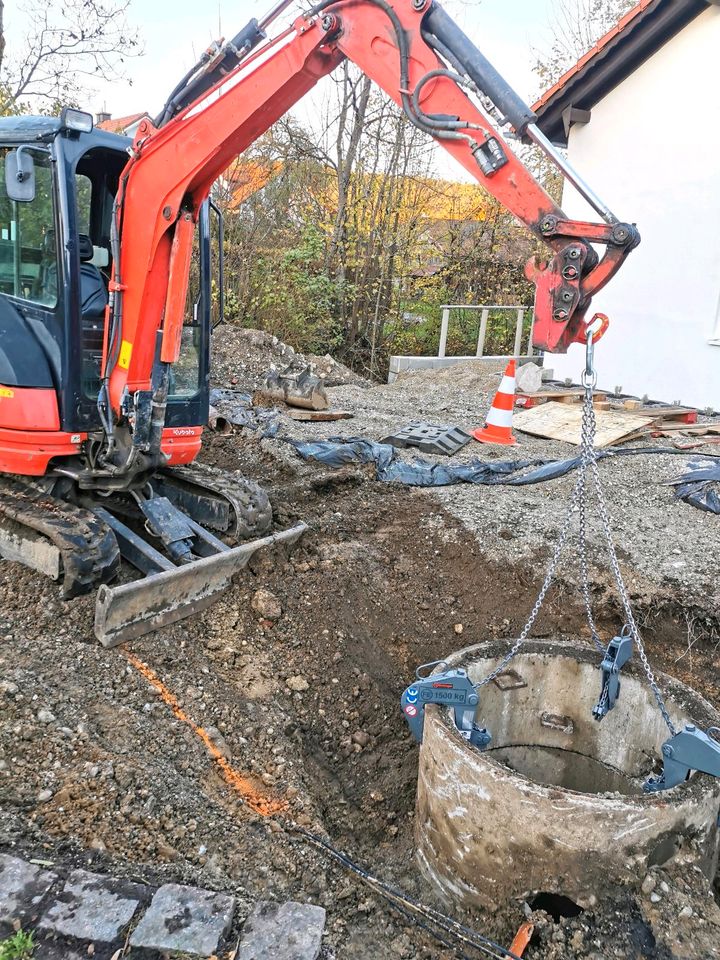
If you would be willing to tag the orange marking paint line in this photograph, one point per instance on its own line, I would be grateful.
(261, 804)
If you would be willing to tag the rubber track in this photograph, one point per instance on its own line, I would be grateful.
(249, 502)
(89, 551)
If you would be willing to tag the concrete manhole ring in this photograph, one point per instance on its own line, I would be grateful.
(556, 803)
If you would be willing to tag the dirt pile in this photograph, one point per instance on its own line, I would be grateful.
(242, 357)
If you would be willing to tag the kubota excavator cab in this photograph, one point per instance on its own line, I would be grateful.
(61, 512)
(55, 263)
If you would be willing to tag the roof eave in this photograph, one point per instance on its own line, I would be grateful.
(619, 58)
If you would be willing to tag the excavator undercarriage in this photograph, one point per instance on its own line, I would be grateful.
(79, 539)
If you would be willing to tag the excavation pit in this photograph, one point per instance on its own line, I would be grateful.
(556, 803)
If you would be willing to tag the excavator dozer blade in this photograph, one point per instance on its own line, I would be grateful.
(133, 609)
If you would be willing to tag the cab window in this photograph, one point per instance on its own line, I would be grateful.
(185, 374)
(28, 245)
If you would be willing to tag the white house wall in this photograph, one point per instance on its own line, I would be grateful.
(652, 152)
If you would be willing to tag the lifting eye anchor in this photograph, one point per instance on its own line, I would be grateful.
(452, 688)
(691, 749)
(617, 655)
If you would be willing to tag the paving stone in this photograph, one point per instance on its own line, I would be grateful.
(22, 887)
(185, 919)
(92, 907)
(283, 931)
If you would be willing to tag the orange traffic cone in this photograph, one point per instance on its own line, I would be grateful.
(498, 426)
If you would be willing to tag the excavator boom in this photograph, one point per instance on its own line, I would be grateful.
(415, 52)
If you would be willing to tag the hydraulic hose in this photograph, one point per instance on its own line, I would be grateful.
(479, 68)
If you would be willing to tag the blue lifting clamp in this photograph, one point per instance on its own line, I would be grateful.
(453, 688)
(691, 749)
(617, 655)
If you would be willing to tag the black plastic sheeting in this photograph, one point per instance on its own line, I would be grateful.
(700, 486)
(237, 408)
(338, 452)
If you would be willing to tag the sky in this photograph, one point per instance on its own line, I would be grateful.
(175, 32)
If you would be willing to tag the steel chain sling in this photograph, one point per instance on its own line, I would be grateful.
(579, 501)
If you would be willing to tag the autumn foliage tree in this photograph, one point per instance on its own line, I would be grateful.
(343, 234)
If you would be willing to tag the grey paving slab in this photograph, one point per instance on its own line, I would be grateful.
(283, 931)
(22, 887)
(185, 919)
(92, 907)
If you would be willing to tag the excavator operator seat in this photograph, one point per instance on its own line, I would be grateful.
(93, 292)
(93, 300)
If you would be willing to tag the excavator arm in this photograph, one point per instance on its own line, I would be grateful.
(414, 52)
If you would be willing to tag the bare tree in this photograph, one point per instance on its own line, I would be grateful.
(2, 34)
(576, 25)
(66, 47)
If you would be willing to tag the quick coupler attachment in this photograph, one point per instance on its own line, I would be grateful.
(617, 655)
(453, 688)
(691, 749)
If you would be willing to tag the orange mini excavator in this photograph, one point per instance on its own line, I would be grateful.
(104, 355)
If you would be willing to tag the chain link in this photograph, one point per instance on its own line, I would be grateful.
(587, 457)
(579, 500)
(630, 621)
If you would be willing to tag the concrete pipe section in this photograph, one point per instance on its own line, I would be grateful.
(555, 805)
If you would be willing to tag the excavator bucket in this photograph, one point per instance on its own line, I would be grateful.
(132, 609)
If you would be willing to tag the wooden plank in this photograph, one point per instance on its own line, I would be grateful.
(664, 412)
(662, 429)
(319, 416)
(554, 394)
(558, 421)
(693, 429)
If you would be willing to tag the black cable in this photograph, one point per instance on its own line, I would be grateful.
(114, 335)
(453, 927)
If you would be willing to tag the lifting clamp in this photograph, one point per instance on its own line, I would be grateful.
(616, 656)
(691, 749)
(453, 688)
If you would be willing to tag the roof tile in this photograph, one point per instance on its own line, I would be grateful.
(615, 31)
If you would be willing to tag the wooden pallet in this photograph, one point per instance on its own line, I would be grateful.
(560, 421)
(529, 400)
(664, 412)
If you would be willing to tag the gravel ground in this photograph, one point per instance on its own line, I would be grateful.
(300, 688)
(669, 549)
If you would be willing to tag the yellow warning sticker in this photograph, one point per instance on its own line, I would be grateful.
(6, 392)
(125, 354)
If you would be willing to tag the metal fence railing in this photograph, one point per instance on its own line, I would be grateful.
(485, 311)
